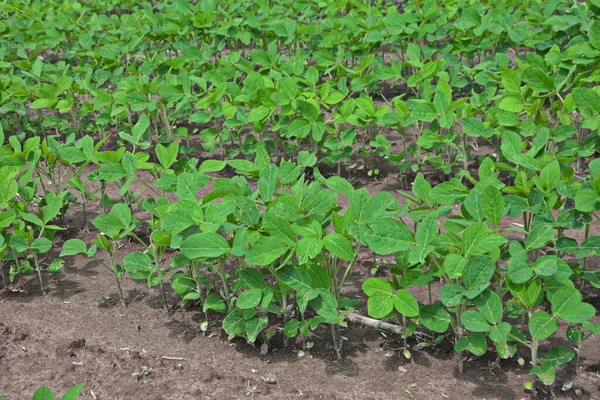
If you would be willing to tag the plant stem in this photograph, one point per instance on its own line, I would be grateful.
(39, 273)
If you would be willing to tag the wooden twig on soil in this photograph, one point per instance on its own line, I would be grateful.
(172, 358)
(373, 323)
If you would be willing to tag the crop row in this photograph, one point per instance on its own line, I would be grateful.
(97, 101)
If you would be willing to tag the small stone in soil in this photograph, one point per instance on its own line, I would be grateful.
(402, 369)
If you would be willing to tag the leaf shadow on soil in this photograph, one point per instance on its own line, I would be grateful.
(114, 300)
(185, 330)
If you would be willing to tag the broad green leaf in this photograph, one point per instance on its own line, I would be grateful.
(212, 166)
(137, 262)
(266, 250)
(499, 333)
(73, 393)
(545, 372)
(339, 246)
(567, 305)
(377, 287)
(492, 205)
(434, 317)
(214, 302)
(308, 248)
(406, 304)
(234, 324)
(559, 355)
(167, 156)
(379, 306)
(206, 244)
(474, 321)
(387, 236)
(252, 278)
(318, 277)
(255, 326)
(41, 245)
(474, 342)
(294, 277)
(339, 185)
(43, 393)
(428, 229)
(454, 265)
(72, 247)
(489, 305)
(586, 200)
(452, 294)
(594, 35)
(539, 236)
(276, 226)
(249, 299)
(542, 325)
(477, 274)
(587, 101)
(267, 182)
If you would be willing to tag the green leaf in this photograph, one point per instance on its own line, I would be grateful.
(434, 317)
(255, 326)
(294, 277)
(587, 101)
(108, 224)
(123, 214)
(542, 325)
(43, 393)
(73, 393)
(318, 277)
(452, 294)
(545, 372)
(379, 306)
(427, 230)
(499, 333)
(567, 305)
(477, 240)
(474, 342)
(167, 156)
(339, 246)
(276, 226)
(206, 244)
(249, 299)
(137, 262)
(539, 236)
(559, 355)
(72, 247)
(55, 266)
(406, 304)
(308, 248)
(474, 321)
(214, 302)
(454, 265)
(594, 35)
(140, 128)
(252, 278)
(387, 236)
(586, 200)
(492, 205)
(489, 305)
(477, 274)
(41, 245)
(267, 182)
(339, 185)
(212, 166)
(234, 324)
(266, 250)
(377, 287)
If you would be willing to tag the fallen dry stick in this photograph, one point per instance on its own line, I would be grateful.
(374, 323)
